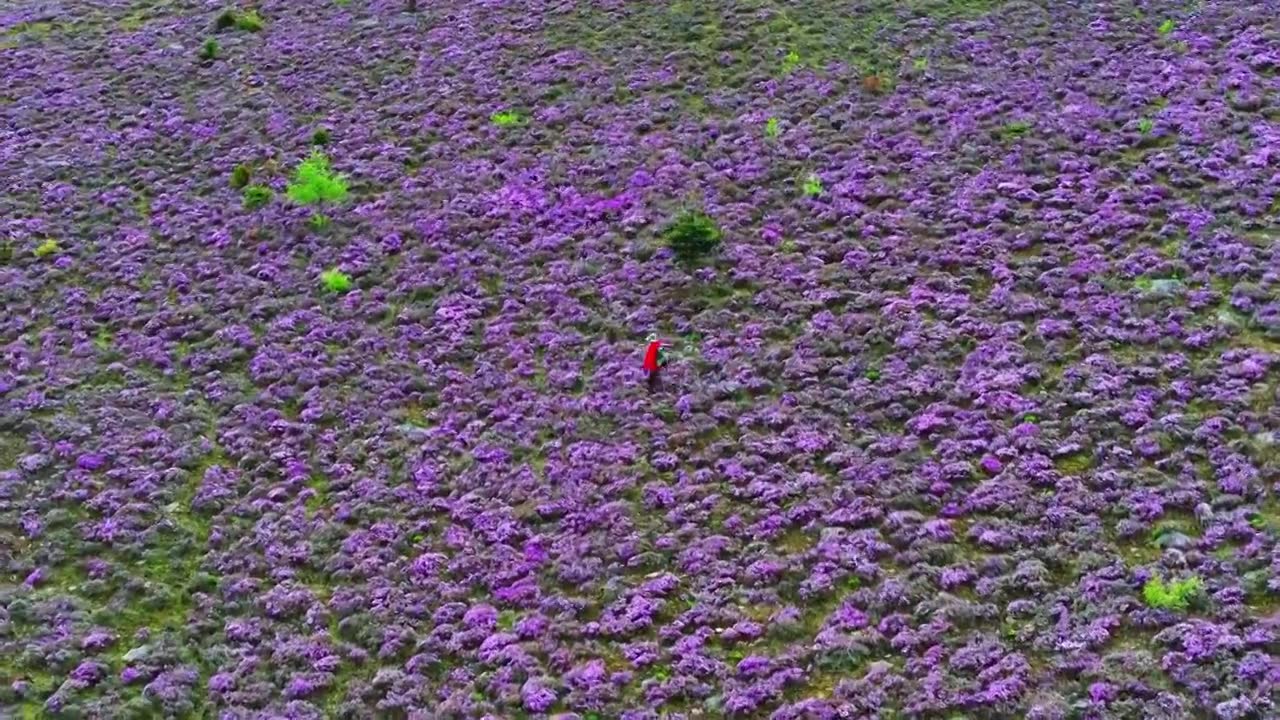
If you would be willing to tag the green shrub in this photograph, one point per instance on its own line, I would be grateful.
(46, 248)
(315, 183)
(692, 235)
(1145, 125)
(240, 176)
(771, 129)
(320, 137)
(334, 280)
(1015, 130)
(812, 186)
(226, 20)
(209, 51)
(506, 118)
(1166, 27)
(256, 196)
(249, 21)
(1175, 595)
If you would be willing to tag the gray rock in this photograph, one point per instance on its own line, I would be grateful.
(1166, 287)
(1229, 317)
(412, 431)
(1175, 541)
(1204, 513)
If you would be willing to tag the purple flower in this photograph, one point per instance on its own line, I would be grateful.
(1101, 692)
(91, 462)
(88, 673)
(536, 697)
(221, 682)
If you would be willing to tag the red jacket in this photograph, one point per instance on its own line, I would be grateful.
(651, 356)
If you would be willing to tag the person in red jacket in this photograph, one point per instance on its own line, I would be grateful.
(655, 358)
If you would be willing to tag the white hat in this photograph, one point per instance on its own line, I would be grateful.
(652, 337)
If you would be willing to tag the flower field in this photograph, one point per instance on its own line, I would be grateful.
(320, 359)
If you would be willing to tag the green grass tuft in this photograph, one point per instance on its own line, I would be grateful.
(46, 248)
(1145, 126)
(1166, 27)
(1175, 595)
(812, 186)
(772, 129)
(791, 62)
(320, 137)
(334, 280)
(506, 118)
(1015, 130)
(256, 196)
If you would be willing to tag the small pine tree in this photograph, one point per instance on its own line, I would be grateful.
(314, 183)
(692, 235)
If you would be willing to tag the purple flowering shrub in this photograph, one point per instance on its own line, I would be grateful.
(926, 435)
